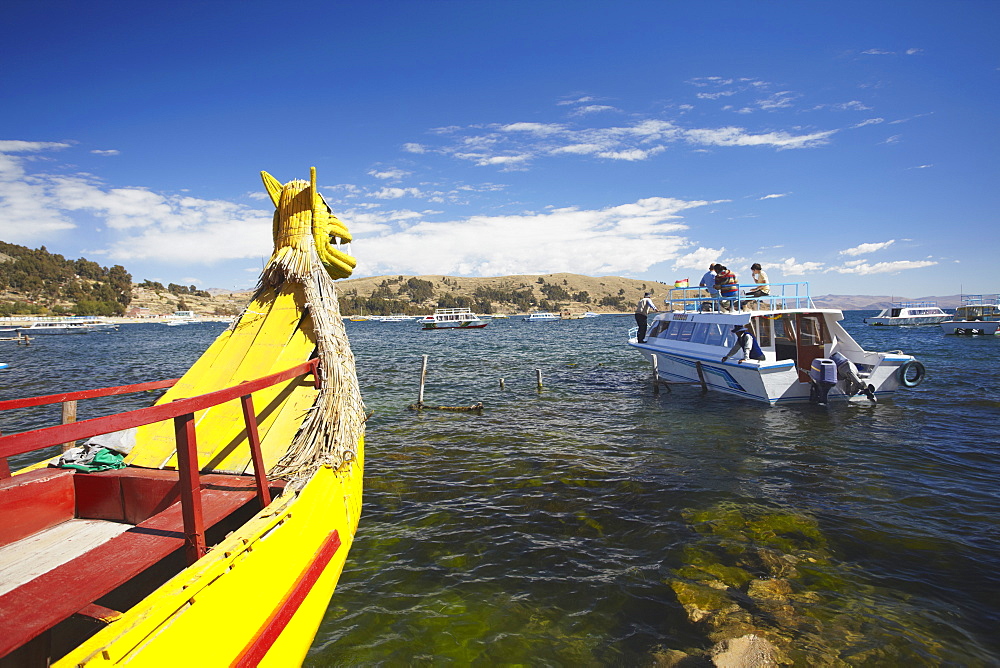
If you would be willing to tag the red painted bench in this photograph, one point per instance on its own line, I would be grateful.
(147, 498)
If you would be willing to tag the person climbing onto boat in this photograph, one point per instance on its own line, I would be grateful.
(746, 342)
(728, 286)
(708, 283)
(760, 278)
(642, 310)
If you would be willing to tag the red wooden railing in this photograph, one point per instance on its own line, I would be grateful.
(181, 412)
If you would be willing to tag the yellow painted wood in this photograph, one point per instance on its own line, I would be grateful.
(268, 339)
(219, 604)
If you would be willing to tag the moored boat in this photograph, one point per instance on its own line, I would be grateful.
(978, 315)
(541, 316)
(909, 313)
(806, 355)
(51, 327)
(222, 537)
(452, 318)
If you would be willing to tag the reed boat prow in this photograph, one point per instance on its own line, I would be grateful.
(223, 535)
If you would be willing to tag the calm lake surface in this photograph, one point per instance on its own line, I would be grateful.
(593, 522)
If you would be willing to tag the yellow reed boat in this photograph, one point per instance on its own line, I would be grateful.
(220, 538)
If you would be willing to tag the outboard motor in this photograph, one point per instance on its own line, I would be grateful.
(823, 374)
(852, 381)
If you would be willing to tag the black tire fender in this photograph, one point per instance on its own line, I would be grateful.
(911, 366)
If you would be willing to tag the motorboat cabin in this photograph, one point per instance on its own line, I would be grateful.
(910, 313)
(978, 314)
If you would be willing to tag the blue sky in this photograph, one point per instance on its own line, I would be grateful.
(851, 144)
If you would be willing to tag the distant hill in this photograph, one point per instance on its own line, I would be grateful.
(878, 302)
(575, 293)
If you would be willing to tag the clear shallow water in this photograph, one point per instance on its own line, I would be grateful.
(595, 523)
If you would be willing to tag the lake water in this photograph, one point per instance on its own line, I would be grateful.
(592, 522)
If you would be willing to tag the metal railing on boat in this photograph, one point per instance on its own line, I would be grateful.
(182, 413)
(782, 296)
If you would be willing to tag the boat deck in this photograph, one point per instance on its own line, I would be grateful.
(88, 535)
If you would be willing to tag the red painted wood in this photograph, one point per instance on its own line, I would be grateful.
(85, 394)
(144, 496)
(34, 501)
(4, 468)
(99, 497)
(260, 475)
(37, 606)
(187, 467)
(16, 444)
(266, 636)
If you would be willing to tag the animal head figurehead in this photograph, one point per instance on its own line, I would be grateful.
(303, 219)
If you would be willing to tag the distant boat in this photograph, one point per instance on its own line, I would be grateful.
(909, 313)
(48, 327)
(452, 318)
(978, 314)
(590, 314)
(541, 316)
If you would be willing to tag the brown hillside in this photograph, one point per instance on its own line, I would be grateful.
(627, 290)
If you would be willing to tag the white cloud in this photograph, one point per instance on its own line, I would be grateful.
(593, 109)
(877, 52)
(863, 268)
(775, 196)
(698, 260)
(869, 121)
(396, 193)
(733, 136)
(412, 147)
(625, 239)
(110, 151)
(540, 129)
(632, 155)
(388, 173)
(144, 224)
(862, 249)
(791, 267)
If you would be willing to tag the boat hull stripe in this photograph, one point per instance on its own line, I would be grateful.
(266, 636)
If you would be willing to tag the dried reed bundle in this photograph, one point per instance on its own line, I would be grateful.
(303, 253)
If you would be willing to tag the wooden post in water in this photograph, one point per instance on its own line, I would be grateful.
(538, 377)
(68, 416)
(656, 376)
(701, 376)
(501, 383)
(423, 378)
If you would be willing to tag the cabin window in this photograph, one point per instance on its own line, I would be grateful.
(659, 329)
(812, 330)
(895, 312)
(784, 337)
(700, 332)
(762, 329)
(685, 331)
(716, 334)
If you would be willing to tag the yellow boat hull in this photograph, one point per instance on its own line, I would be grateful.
(262, 591)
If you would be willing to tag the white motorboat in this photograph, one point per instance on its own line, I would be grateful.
(47, 327)
(541, 316)
(978, 314)
(452, 318)
(808, 355)
(395, 317)
(97, 324)
(590, 314)
(910, 313)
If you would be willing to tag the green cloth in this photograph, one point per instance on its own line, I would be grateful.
(104, 460)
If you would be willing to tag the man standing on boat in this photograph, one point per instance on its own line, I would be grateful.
(708, 283)
(746, 342)
(642, 310)
(728, 286)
